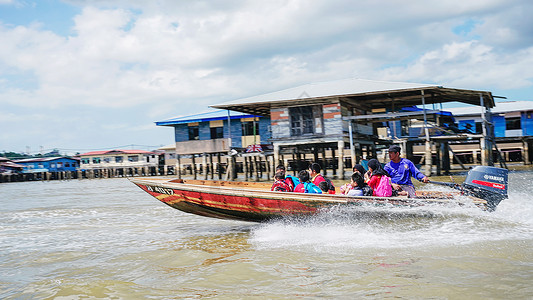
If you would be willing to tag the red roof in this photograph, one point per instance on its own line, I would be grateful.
(108, 152)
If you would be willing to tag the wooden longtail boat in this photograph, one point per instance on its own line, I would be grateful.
(252, 201)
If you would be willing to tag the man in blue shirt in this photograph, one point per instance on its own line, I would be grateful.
(401, 170)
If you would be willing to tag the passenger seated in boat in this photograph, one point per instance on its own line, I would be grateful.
(357, 168)
(327, 187)
(374, 176)
(289, 179)
(367, 191)
(316, 177)
(279, 184)
(305, 185)
(357, 184)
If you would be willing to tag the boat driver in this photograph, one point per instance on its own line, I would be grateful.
(401, 170)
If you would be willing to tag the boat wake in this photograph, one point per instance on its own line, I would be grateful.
(388, 227)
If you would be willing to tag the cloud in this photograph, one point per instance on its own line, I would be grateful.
(470, 65)
(156, 59)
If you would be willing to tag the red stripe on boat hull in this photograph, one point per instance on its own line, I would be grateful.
(228, 206)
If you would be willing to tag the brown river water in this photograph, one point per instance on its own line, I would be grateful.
(107, 239)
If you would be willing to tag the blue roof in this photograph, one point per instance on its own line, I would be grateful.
(204, 117)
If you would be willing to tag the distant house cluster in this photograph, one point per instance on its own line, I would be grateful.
(95, 160)
(118, 158)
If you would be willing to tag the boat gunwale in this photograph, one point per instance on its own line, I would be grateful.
(246, 191)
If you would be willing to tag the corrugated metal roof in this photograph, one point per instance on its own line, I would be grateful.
(371, 94)
(38, 159)
(213, 115)
(168, 147)
(352, 86)
(109, 152)
(11, 164)
(501, 107)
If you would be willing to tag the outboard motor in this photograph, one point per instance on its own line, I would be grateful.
(489, 183)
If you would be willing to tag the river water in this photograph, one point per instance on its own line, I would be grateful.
(107, 239)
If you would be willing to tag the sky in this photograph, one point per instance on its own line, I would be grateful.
(79, 75)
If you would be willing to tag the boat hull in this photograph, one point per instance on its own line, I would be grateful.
(254, 202)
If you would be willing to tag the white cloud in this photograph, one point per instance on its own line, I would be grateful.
(166, 58)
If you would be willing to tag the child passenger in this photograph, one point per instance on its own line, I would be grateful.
(367, 191)
(357, 184)
(326, 187)
(279, 184)
(305, 185)
(290, 180)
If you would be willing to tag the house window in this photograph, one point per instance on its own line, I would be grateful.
(301, 120)
(512, 123)
(107, 159)
(96, 160)
(248, 128)
(217, 132)
(85, 161)
(133, 158)
(479, 127)
(118, 159)
(194, 133)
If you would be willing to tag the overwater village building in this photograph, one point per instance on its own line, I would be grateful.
(350, 114)
(203, 140)
(513, 130)
(121, 162)
(48, 164)
(336, 123)
(7, 166)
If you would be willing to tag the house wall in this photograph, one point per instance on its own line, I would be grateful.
(499, 125)
(236, 133)
(332, 116)
(265, 130)
(327, 121)
(204, 131)
(527, 123)
(143, 160)
(181, 135)
(56, 165)
(279, 120)
(181, 132)
(60, 165)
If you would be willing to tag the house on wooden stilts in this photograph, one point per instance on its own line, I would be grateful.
(339, 122)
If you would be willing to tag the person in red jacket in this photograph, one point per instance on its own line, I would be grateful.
(314, 172)
(374, 174)
(317, 178)
(290, 180)
(279, 184)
